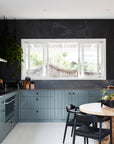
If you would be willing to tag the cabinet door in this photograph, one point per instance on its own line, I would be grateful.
(83, 97)
(2, 119)
(60, 114)
(36, 114)
(17, 107)
(46, 93)
(2, 112)
(62, 98)
(46, 102)
(94, 95)
(75, 97)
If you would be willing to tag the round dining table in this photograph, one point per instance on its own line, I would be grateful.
(96, 109)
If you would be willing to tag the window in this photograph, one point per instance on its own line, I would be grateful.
(64, 58)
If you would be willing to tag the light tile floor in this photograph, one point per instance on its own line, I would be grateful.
(40, 133)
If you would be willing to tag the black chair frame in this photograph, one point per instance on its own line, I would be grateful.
(92, 119)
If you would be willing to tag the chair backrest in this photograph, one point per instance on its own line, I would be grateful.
(87, 118)
(71, 107)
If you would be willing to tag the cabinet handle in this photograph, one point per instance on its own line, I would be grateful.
(37, 93)
(36, 99)
(69, 93)
(2, 101)
(73, 93)
(3, 110)
(37, 111)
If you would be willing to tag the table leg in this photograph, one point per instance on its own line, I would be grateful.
(107, 139)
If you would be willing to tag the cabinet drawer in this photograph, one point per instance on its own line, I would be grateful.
(36, 102)
(28, 93)
(60, 114)
(28, 102)
(36, 93)
(36, 114)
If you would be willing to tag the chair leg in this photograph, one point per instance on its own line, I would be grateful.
(84, 140)
(87, 141)
(74, 139)
(65, 133)
(100, 141)
(111, 131)
(110, 138)
(100, 128)
(72, 131)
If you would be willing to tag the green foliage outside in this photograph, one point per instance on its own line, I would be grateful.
(61, 60)
(35, 60)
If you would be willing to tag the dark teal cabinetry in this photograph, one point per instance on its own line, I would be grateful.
(76, 97)
(36, 105)
(50, 105)
(43, 105)
(6, 127)
(2, 119)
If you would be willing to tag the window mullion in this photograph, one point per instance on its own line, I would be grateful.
(48, 60)
(98, 59)
(23, 68)
(82, 61)
(43, 59)
(78, 60)
(102, 61)
(29, 60)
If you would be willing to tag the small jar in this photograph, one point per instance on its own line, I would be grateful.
(32, 85)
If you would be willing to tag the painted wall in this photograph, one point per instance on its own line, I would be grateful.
(62, 29)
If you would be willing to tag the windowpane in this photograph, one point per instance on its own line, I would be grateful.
(62, 58)
(88, 59)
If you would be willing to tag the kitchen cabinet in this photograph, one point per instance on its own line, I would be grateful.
(16, 107)
(94, 95)
(36, 105)
(50, 105)
(33, 115)
(75, 97)
(7, 126)
(2, 118)
(43, 105)
(62, 99)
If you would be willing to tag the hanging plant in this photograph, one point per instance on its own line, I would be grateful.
(11, 51)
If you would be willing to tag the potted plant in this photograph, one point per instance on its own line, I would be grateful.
(11, 51)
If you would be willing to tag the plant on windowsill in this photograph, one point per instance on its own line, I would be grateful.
(11, 51)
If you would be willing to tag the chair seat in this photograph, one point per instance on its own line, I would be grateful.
(91, 132)
(71, 123)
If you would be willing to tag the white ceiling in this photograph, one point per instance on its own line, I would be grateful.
(57, 9)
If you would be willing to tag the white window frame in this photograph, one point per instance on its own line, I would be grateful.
(29, 41)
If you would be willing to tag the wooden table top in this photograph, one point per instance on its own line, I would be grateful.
(96, 109)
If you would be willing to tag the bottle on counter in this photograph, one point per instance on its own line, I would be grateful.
(32, 85)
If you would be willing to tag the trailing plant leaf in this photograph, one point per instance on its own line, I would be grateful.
(11, 51)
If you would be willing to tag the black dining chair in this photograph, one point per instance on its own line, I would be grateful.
(71, 110)
(91, 131)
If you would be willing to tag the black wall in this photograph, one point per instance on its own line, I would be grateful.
(63, 29)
